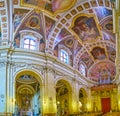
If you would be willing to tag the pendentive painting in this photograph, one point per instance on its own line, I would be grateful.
(98, 53)
(63, 33)
(69, 42)
(49, 24)
(86, 59)
(86, 28)
(111, 53)
(17, 41)
(18, 16)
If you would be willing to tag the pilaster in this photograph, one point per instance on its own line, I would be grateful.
(49, 103)
(3, 88)
(75, 97)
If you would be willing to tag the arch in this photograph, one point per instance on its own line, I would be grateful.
(64, 81)
(83, 92)
(76, 8)
(65, 48)
(29, 71)
(32, 33)
(27, 93)
(63, 97)
(100, 43)
(22, 87)
(82, 100)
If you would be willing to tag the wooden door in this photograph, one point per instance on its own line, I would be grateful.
(106, 106)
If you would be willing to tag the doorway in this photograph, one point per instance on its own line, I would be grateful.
(27, 95)
(63, 98)
(106, 105)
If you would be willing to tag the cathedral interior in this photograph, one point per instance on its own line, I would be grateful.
(59, 58)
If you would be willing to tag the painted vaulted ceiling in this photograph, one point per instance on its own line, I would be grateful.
(85, 27)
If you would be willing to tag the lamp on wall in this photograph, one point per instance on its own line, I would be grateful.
(13, 100)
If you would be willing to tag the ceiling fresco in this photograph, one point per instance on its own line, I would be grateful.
(52, 6)
(102, 70)
(85, 27)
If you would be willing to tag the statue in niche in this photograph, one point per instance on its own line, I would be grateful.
(95, 108)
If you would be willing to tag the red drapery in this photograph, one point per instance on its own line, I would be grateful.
(105, 105)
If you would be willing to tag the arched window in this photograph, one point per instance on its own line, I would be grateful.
(64, 56)
(29, 40)
(82, 69)
(30, 43)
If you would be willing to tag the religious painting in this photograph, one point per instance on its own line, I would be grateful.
(42, 45)
(86, 59)
(77, 47)
(18, 16)
(102, 70)
(2, 4)
(61, 5)
(63, 34)
(34, 22)
(98, 53)
(32, 2)
(15, 2)
(69, 43)
(50, 23)
(56, 51)
(25, 98)
(111, 53)
(3, 12)
(26, 77)
(86, 28)
(63, 91)
(109, 26)
(37, 3)
(49, 5)
(17, 41)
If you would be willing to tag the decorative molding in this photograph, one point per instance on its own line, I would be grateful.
(2, 64)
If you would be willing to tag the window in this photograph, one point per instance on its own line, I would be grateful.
(30, 43)
(64, 56)
(82, 69)
(30, 40)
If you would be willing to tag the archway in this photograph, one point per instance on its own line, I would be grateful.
(27, 94)
(63, 97)
(82, 100)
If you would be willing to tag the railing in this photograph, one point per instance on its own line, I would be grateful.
(6, 114)
(24, 113)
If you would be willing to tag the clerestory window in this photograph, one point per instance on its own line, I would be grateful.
(30, 43)
(64, 56)
(82, 69)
